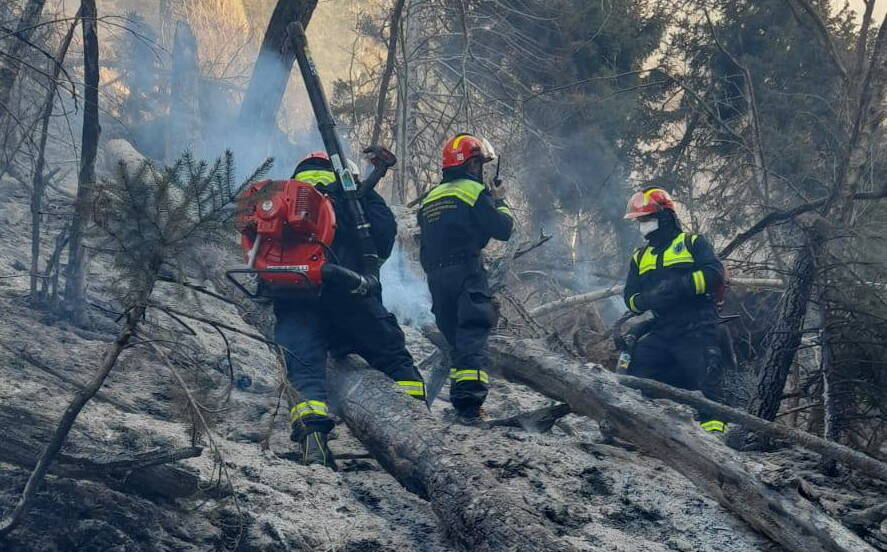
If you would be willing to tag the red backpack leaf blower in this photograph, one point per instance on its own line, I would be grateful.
(287, 226)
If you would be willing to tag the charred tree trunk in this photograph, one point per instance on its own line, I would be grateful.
(782, 342)
(38, 181)
(394, 30)
(478, 512)
(77, 258)
(17, 46)
(672, 436)
(183, 125)
(273, 66)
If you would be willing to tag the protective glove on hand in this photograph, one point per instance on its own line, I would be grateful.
(666, 293)
(497, 189)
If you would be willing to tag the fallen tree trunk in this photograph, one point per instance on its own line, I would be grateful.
(829, 449)
(23, 436)
(575, 300)
(673, 437)
(478, 513)
(598, 294)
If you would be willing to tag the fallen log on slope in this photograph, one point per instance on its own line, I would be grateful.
(603, 293)
(674, 438)
(576, 300)
(831, 450)
(476, 510)
(23, 436)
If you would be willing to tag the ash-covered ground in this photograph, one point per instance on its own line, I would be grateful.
(592, 495)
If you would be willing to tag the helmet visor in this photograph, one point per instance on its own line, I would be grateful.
(489, 154)
(640, 206)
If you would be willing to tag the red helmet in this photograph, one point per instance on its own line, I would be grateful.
(648, 202)
(316, 155)
(463, 147)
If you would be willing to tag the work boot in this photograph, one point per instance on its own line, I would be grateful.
(316, 451)
(470, 415)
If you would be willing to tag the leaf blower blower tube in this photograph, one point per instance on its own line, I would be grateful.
(327, 127)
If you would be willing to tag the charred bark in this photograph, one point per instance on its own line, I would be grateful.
(183, 125)
(39, 179)
(273, 66)
(672, 436)
(478, 512)
(23, 434)
(393, 31)
(77, 259)
(18, 43)
(782, 341)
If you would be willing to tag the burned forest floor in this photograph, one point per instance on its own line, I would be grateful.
(591, 494)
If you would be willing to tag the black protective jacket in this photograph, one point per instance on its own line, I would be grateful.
(677, 276)
(346, 245)
(458, 218)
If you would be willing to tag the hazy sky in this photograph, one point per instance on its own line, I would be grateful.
(880, 8)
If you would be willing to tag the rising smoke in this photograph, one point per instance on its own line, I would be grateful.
(405, 291)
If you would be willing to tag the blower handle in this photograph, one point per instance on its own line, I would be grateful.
(333, 145)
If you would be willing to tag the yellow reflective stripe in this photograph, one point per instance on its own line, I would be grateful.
(714, 425)
(648, 261)
(505, 209)
(315, 177)
(693, 238)
(469, 375)
(699, 282)
(308, 408)
(465, 190)
(632, 305)
(677, 253)
(414, 388)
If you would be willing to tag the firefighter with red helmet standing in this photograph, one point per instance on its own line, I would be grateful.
(311, 326)
(458, 218)
(675, 275)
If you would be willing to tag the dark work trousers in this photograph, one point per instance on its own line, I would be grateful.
(464, 312)
(688, 358)
(311, 328)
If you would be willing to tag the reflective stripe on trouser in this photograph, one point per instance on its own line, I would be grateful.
(308, 408)
(464, 312)
(412, 388)
(714, 426)
(308, 330)
(469, 375)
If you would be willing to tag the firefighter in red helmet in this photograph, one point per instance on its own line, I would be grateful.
(458, 218)
(677, 276)
(310, 326)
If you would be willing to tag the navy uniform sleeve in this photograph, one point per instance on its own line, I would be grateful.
(384, 225)
(709, 273)
(632, 287)
(493, 216)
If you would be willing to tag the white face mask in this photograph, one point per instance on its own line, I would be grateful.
(648, 226)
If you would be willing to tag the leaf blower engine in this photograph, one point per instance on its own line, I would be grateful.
(286, 230)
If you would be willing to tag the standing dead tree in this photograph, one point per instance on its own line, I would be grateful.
(38, 180)
(75, 284)
(393, 31)
(11, 66)
(273, 66)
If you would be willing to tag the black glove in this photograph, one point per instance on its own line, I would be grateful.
(666, 293)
